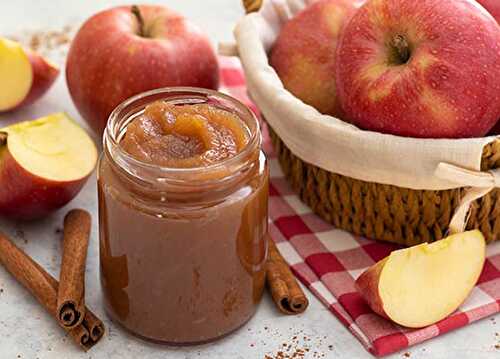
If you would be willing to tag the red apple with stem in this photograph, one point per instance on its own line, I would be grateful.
(303, 55)
(127, 50)
(427, 68)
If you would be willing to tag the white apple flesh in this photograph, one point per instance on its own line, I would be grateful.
(421, 285)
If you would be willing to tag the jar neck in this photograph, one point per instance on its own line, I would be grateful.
(182, 183)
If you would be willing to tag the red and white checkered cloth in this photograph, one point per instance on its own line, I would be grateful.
(328, 260)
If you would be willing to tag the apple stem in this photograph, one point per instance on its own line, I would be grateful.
(3, 138)
(402, 49)
(137, 13)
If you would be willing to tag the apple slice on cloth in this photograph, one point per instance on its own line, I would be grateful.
(421, 285)
(43, 165)
(25, 76)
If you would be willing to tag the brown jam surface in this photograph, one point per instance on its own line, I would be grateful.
(185, 136)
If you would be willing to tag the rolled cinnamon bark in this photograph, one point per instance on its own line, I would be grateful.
(44, 288)
(285, 290)
(252, 5)
(71, 293)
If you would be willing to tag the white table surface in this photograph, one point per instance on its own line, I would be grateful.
(27, 331)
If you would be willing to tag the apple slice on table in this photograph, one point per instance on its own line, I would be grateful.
(421, 285)
(43, 165)
(25, 76)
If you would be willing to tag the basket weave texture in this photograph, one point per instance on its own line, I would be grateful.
(386, 212)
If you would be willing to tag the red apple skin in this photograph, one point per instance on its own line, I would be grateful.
(493, 7)
(108, 62)
(449, 88)
(367, 286)
(304, 53)
(25, 196)
(44, 76)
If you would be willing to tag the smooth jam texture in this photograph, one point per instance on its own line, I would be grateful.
(185, 136)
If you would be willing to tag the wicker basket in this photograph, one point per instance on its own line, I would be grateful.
(386, 212)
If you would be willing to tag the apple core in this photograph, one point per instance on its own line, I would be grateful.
(399, 50)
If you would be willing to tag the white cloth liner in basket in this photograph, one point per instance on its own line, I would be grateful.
(339, 147)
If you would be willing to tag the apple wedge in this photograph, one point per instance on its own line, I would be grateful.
(25, 76)
(419, 286)
(43, 165)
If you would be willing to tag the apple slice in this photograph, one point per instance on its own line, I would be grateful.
(43, 165)
(16, 74)
(419, 286)
(25, 76)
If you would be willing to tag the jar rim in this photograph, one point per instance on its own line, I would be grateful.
(113, 131)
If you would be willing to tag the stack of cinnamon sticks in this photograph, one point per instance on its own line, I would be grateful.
(64, 300)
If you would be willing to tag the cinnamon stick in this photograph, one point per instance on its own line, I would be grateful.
(44, 288)
(252, 5)
(3, 138)
(285, 290)
(71, 293)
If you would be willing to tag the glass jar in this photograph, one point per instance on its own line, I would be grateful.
(182, 250)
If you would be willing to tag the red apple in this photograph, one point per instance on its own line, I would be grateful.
(25, 76)
(493, 7)
(304, 53)
(43, 165)
(427, 68)
(126, 50)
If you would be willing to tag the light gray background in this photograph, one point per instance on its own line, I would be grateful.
(26, 331)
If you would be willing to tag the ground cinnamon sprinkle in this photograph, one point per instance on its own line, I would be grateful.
(299, 347)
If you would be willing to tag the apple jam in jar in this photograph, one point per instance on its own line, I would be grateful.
(183, 192)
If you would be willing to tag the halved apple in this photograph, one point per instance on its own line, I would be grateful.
(25, 76)
(421, 285)
(43, 165)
